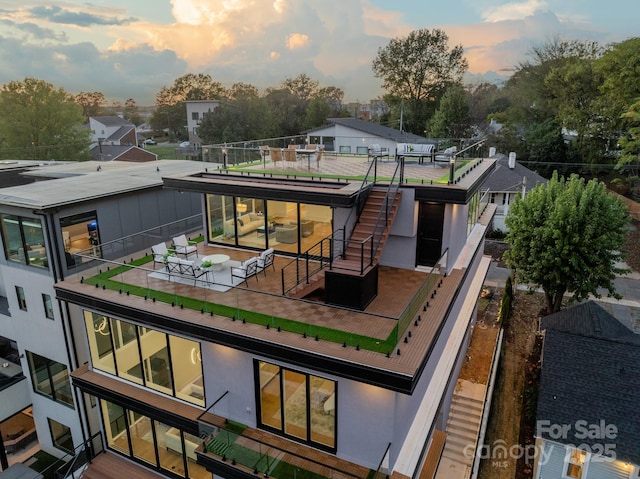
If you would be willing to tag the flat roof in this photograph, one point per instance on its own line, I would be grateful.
(67, 183)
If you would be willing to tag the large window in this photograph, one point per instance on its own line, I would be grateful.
(23, 240)
(298, 405)
(50, 378)
(80, 234)
(252, 222)
(166, 363)
(152, 442)
(61, 436)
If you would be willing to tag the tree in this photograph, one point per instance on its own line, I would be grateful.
(40, 122)
(451, 119)
(416, 70)
(170, 113)
(630, 143)
(131, 112)
(92, 103)
(566, 236)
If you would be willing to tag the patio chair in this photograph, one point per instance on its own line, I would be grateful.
(275, 154)
(246, 269)
(319, 156)
(289, 155)
(183, 246)
(264, 152)
(265, 260)
(159, 251)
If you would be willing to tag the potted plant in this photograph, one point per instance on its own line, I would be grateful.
(206, 264)
(165, 257)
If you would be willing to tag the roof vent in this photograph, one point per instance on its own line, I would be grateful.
(512, 160)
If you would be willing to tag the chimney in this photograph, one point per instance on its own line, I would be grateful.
(512, 160)
(492, 151)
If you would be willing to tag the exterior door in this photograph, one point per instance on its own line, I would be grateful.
(430, 223)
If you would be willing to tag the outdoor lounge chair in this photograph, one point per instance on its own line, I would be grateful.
(160, 251)
(183, 246)
(265, 260)
(246, 269)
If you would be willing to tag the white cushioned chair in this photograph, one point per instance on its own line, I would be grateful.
(265, 260)
(246, 269)
(184, 246)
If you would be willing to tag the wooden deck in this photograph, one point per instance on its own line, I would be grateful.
(109, 465)
(396, 289)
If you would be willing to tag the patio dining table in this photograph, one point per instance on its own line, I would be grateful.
(308, 152)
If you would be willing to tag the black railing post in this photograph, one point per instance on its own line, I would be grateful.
(307, 266)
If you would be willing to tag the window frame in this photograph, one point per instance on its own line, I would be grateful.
(47, 365)
(22, 300)
(66, 432)
(570, 462)
(48, 306)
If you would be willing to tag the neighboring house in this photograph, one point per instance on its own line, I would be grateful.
(81, 207)
(353, 135)
(114, 138)
(329, 363)
(587, 420)
(509, 180)
(196, 111)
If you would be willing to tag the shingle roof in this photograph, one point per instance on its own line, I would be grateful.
(121, 132)
(590, 319)
(587, 381)
(112, 121)
(504, 178)
(115, 152)
(376, 130)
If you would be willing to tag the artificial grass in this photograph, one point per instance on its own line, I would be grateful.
(103, 280)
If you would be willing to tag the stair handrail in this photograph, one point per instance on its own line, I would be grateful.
(332, 240)
(376, 237)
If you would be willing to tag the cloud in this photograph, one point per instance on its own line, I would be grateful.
(297, 40)
(36, 31)
(513, 10)
(502, 45)
(58, 15)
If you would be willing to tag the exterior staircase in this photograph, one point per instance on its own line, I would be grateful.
(353, 254)
(463, 426)
(352, 261)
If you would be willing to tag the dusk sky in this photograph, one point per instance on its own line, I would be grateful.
(130, 49)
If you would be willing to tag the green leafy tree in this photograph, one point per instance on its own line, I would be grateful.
(566, 236)
(451, 119)
(416, 70)
(620, 88)
(170, 113)
(630, 143)
(41, 122)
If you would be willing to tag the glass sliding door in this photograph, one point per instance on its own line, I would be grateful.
(155, 357)
(115, 427)
(271, 409)
(142, 438)
(295, 404)
(299, 405)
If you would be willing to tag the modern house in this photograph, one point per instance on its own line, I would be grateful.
(587, 419)
(339, 359)
(114, 138)
(354, 135)
(509, 180)
(329, 362)
(71, 208)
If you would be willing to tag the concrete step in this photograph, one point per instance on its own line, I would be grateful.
(456, 454)
(462, 425)
(467, 400)
(463, 410)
